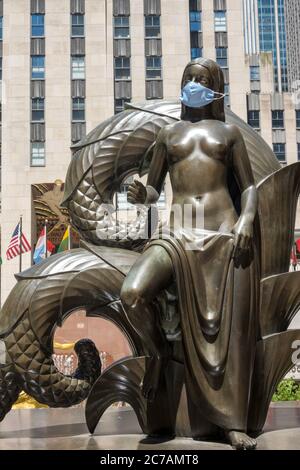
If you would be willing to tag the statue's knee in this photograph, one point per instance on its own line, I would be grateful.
(130, 296)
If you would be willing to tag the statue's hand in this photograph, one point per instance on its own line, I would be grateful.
(137, 193)
(243, 234)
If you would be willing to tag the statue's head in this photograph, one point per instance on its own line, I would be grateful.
(209, 74)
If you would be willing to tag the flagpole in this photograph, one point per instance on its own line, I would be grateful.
(46, 248)
(20, 243)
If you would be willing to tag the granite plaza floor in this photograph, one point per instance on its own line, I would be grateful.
(56, 429)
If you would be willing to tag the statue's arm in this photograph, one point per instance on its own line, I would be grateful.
(158, 170)
(137, 192)
(249, 200)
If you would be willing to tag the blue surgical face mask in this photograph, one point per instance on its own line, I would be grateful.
(195, 95)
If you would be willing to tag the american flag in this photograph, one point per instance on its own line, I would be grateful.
(14, 244)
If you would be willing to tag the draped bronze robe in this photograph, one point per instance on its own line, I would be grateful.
(217, 313)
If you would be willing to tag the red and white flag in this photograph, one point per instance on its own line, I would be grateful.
(17, 244)
(40, 249)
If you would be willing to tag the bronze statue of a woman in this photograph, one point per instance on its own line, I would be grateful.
(215, 298)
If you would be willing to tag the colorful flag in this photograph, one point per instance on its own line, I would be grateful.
(17, 239)
(65, 243)
(50, 248)
(298, 245)
(40, 249)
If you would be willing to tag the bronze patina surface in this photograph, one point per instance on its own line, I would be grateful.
(207, 325)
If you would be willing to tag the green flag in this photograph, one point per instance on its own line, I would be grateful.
(65, 243)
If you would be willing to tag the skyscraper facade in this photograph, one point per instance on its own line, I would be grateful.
(70, 64)
(250, 19)
(272, 38)
(292, 20)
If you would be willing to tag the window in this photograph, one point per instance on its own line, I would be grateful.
(121, 27)
(152, 26)
(38, 67)
(121, 197)
(297, 117)
(153, 67)
(121, 200)
(195, 21)
(277, 119)
(122, 68)
(78, 68)
(37, 154)
(120, 104)
(298, 151)
(77, 25)
(227, 94)
(37, 109)
(194, 5)
(161, 203)
(285, 86)
(221, 55)
(254, 73)
(1, 27)
(220, 21)
(196, 52)
(37, 25)
(78, 112)
(279, 150)
(254, 119)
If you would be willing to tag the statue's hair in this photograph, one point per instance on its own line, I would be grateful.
(217, 80)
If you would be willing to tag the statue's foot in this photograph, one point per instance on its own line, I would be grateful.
(240, 440)
(151, 378)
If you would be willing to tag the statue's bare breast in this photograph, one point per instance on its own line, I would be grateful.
(199, 160)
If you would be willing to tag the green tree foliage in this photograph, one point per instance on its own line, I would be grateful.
(287, 390)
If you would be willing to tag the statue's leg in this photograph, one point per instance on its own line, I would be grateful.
(241, 358)
(149, 275)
